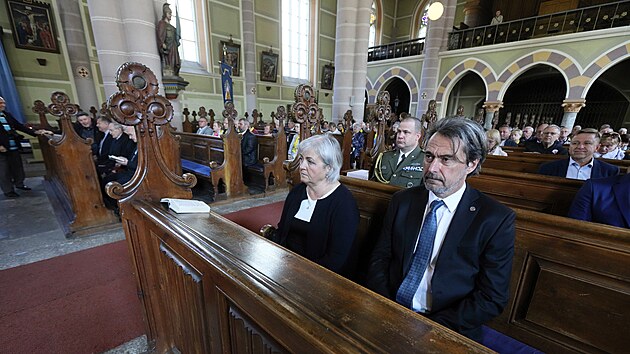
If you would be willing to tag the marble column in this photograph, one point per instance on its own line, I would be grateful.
(434, 41)
(492, 107)
(78, 53)
(571, 109)
(352, 37)
(249, 54)
(139, 23)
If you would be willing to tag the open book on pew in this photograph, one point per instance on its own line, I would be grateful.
(185, 206)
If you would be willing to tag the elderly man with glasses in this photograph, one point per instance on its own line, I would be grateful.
(549, 143)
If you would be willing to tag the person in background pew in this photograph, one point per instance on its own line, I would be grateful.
(204, 129)
(623, 131)
(604, 201)
(515, 138)
(581, 164)
(85, 126)
(216, 128)
(293, 139)
(333, 129)
(494, 138)
(103, 163)
(454, 267)
(403, 165)
(126, 167)
(249, 149)
(528, 135)
(320, 217)
(504, 134)
(341, 127)
(358, 143)
(122, 145)
(605, 129)
(564, 138)
(539, 132)
(625, 140)
(226, 126)
(548, 144)
(609, 147)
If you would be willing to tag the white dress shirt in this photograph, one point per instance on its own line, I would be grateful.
(422, 300)
(575, 171)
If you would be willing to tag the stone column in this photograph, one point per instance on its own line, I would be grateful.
(435, 40)
(139, 21)
(350, 58)
(110, 40)
(249, 54)
(78, 53)
(491, 108)
(571, 109)
(473, 12)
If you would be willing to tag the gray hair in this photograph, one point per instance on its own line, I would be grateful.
(465, 134)
(328, 149)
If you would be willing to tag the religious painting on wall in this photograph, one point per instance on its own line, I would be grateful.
(269, 66)
(32, 25)
(231, 55)
(328, 75)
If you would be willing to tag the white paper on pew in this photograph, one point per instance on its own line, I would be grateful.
(360, 174)
(184, 206)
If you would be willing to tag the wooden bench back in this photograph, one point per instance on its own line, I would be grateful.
(530, 163)
(202, 149)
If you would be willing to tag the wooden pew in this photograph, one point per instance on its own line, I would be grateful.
(71, 180)
(214, 159)
(530, 163)
(208, 285)
(570, 286)
(272, 152)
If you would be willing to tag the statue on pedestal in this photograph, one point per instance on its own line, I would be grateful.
(168, 42)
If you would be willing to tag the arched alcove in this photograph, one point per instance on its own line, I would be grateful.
(400, 95)
(608, 99)
(537, 92)
(470, 92)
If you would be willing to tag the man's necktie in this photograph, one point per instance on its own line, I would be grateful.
(421, 258)
(402, 158)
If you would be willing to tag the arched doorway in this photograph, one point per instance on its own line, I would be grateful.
(399, 94)
(607, 100)
(535, 96)
(469, 92)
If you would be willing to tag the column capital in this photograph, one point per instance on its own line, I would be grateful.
(492, 106)
(573, 106)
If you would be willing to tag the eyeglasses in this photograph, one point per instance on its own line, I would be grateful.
(550, 133)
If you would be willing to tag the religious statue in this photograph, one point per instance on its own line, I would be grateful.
(168, 42)
(431, 116)
(460, 112)
(479, 117)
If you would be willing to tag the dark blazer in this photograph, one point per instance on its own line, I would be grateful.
(470, 284)
(604, 201)
(332, 231)
(559, 168)
(123, 146)
(15, 125)
(534, 146)
(249, 148)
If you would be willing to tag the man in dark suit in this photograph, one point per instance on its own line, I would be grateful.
(463, 280)
(102, 153)
(548, 144)
(249, 148)
(581, 164)
(604, 201)
(85, 126)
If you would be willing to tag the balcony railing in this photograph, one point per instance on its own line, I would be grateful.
(573, 21)
(396, 50)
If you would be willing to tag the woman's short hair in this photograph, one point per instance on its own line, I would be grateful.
(328, 149)
(494, 135)
(472, 138)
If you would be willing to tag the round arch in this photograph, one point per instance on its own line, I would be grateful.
(469, 65)
(602, 64)
(566, 65)
(399, 72)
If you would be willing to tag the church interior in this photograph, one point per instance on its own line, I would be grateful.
(93, 261)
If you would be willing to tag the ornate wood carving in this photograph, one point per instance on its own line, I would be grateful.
(305, 110)
(39, 108)
(138, 104)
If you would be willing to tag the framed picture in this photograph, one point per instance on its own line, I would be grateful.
(32, 25)
(269, 66)
(328, 75)
(232, 54)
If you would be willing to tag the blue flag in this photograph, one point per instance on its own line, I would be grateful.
(226, 83)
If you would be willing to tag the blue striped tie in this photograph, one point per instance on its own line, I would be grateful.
(421, 258)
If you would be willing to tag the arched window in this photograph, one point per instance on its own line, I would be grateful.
(296, 25)
(372, 41)
(420, 20)
(189, 43)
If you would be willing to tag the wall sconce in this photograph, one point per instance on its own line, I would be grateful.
(41, 61)
(268, 88)
(435, 11)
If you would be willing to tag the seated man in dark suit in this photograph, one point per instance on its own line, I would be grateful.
(581, 164)
(249, 148)
(102, 153)
(548, 144)
(454, 267)
(126, 167)
(85, 126)
(604, 201)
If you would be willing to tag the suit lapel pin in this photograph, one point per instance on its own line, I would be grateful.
(472, 208)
